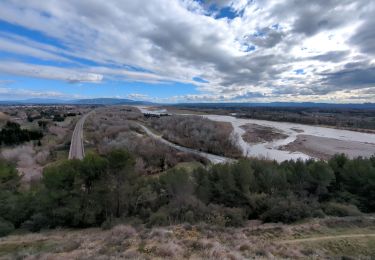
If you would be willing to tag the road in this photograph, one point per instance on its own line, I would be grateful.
(77, 149)
(211, 157)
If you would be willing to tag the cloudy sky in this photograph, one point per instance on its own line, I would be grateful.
(189, 50)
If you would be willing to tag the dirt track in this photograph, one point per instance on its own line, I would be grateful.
(312, 239)
(211, 157)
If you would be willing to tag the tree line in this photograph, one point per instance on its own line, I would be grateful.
(104, 189)
(13, 134)
(352, 118)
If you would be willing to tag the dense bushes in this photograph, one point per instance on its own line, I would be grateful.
(6, 227)
(100, 190)
(198, 133)
(340, 210)
(13, 134)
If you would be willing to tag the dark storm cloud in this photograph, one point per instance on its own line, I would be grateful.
(342, 80)
(364, 38)
(311, 17)
(357, 64)
(312, 21)
(332, 56)
(354, 78)
(253, 70)
(267, 38)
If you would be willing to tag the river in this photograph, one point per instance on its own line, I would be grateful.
(271, 150)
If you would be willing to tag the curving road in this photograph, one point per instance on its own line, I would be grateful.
(211, 157)
(77, 149)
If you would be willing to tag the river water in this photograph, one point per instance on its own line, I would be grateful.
(270, 150)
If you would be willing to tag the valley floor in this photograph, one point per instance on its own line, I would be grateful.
(350, 237)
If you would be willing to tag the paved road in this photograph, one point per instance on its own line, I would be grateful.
(77, 149)
(211, 157)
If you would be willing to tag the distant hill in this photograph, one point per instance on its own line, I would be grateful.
(123, 101)
(34, 101)
(109, 101)
(280, 104)
(94, 101)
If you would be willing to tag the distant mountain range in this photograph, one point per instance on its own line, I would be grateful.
(121, 101)
(110, 101)
(93, 101)
(282, 104)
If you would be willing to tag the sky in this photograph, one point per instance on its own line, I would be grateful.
(189, 50)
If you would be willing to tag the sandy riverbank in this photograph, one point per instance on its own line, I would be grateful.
(324, 148)
(258, 134)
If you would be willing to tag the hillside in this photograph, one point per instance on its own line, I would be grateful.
(339, 238)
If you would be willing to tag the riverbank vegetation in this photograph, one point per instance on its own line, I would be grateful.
(197, 133)
(103, 190)
(117, 127)
(355, 119)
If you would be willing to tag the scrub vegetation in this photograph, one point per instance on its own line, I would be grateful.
(198, 133)
(135, 197)
(103, 189)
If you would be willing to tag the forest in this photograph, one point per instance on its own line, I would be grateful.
(104, 190)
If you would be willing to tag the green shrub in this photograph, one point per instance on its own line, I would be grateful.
(36, 223)
(341, 210)
(107, 224)
(234, 217)
(225, 217)
(159, 218)
(6, 227)
(287, 210)
(189, 216)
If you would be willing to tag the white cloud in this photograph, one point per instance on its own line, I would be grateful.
(48, 72)
(137, 96)
(178, 40)
(13, 94)
(12, 46)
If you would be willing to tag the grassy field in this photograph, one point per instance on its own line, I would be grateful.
(338, 238)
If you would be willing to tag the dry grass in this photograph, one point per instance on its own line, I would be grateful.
(3, 117)
(27, 159)
(30, 158)
(255, 240)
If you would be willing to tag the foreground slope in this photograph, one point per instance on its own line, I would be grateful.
(323, 239)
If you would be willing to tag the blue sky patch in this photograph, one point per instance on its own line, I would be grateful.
(200, 80)
(227, 12)
(299, 72)
(249, 48)
(31, 34)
